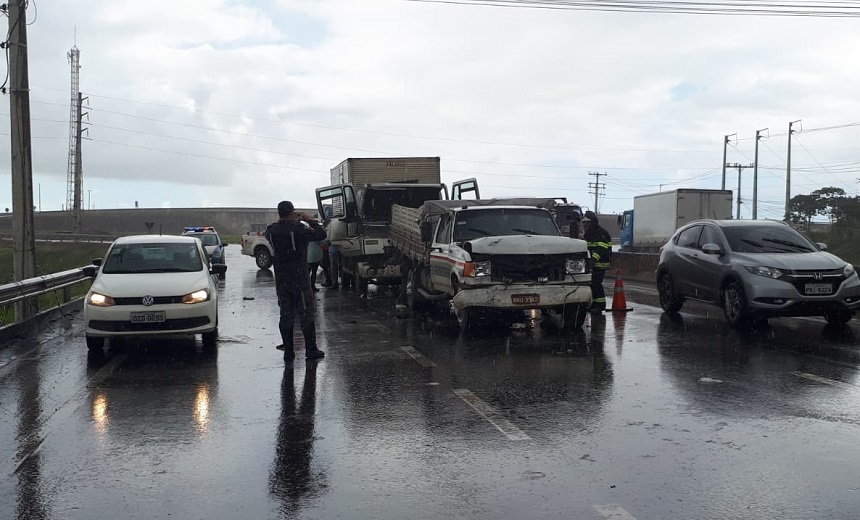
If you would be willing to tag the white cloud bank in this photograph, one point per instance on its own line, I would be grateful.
(243, 103)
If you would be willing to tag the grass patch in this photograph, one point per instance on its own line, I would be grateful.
(51, 257)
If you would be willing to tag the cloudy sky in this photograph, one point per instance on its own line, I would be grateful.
(243, 103)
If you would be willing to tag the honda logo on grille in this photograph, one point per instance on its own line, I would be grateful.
(147, 301)
(817, 276)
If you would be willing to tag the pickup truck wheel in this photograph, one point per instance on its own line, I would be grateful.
(263, 257)
(413, 299)
(465, 317)
(573, 316)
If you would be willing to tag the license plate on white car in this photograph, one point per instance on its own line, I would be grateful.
(525, 299)
(818, 288)
(148, 317)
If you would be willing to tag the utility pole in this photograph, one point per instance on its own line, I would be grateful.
(23, 233)
(788, 174)
(755, 175)
(739, 167)
(725, 144)
(596, 186)
(79, 175)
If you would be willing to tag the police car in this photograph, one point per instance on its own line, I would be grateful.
(211, 243)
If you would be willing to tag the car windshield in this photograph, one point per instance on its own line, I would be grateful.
(208, 239)
(766, 239)
(503, 221)
(152, 258)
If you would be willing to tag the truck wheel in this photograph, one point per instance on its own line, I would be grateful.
(263, 257)
(573, 316)
(466, 320)
(666, 292)
(414, 300)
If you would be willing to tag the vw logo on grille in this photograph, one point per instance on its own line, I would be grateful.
(147, 300)
(817, 276)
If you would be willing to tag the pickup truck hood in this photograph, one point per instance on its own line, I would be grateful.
(528, 244)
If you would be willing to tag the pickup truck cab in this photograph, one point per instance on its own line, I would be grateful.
(487, 255)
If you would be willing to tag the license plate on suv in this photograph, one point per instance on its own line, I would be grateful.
(525, 299)
(148, 317)
(818, 288)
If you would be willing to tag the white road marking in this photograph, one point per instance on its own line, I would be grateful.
(614, 512)
(419, 357)
(824, 380)
(487, 412)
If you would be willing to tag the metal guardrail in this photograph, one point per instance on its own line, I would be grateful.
(34, 287)
(65, 237)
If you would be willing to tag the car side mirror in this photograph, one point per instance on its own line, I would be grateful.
(89, 271)
(426, 232)
(218, 269)
(96, 261)
(712, 249)
(224, 244)
(620, 221)
(822, 246)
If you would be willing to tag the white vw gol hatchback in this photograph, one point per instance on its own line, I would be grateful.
(152, 285)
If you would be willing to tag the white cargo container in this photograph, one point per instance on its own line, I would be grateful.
(378, 170)
(656, 216)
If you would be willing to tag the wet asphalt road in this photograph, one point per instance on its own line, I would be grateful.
(640, 416)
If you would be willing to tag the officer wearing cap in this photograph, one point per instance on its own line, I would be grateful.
(289, 237)
(599, 248)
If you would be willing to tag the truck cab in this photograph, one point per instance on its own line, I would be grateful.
(488, 257)
(358, 221)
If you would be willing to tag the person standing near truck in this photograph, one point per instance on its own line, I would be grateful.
(289, 237)
(599, 250)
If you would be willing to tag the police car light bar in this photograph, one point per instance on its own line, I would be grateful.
(199, 228)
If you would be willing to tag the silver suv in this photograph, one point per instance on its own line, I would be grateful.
(755, 269)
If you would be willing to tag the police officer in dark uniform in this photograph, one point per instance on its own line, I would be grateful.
(599, 250)
(289, 237)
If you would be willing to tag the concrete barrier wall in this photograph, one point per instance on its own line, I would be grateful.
(639, 267)
(228, 221)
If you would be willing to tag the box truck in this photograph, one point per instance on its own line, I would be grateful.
(655, 217)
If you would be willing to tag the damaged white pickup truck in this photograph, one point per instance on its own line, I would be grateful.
(496, 255)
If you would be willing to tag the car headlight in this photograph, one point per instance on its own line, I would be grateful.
(848, 270)
(483, 268)
(196, 297)
(575, 265)
(100, 300)
(767, 272)
(476, 269)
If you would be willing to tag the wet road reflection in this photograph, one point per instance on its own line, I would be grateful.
(293, 480)
(641, 412)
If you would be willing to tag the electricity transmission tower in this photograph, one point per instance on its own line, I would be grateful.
(74, 177)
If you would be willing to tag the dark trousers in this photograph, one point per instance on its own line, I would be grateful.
(326, 266)
(313, 269)
(336, 274)
(299, 302)
(598, 295)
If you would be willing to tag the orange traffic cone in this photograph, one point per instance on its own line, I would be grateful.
(619, 301)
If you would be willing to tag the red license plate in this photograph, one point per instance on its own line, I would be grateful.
(525, 299)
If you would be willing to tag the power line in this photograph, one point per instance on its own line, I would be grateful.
(834, 9)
